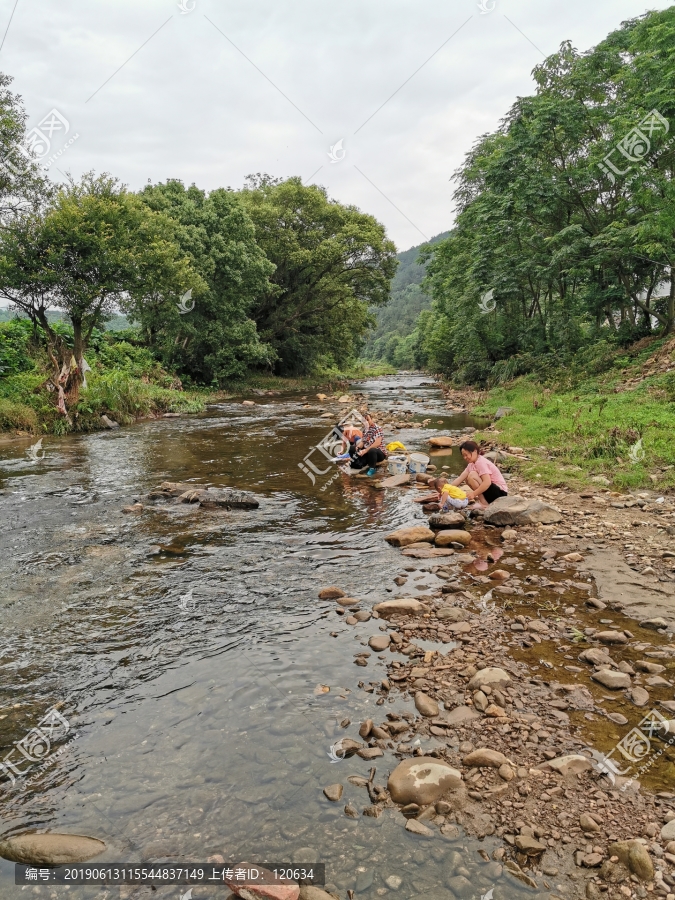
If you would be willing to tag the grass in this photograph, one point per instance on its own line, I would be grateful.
(600, 427)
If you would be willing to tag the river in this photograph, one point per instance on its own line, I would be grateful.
(187, 648)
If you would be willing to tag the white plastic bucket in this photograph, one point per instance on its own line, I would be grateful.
(418, 463)
(397, 465)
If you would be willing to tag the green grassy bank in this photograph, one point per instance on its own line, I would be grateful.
(126, 382)
(619, 424)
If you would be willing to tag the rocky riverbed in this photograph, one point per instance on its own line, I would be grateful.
(213, 691)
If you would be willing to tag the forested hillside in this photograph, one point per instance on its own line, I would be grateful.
(394, 338)
(564, 244)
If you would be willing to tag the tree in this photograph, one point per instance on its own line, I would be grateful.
(94, 249)
(217, 340)
(332, 263)
(22, 185)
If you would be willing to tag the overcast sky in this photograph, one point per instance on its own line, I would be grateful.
(226, 89)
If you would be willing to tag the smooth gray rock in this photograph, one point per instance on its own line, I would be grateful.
(520, 511)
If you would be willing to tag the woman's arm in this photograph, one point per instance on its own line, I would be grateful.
(462, 478)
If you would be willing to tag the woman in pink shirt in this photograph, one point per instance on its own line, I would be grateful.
(485, 481)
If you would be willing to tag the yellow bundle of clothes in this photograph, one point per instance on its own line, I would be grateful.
(396, 446)
(453, 497)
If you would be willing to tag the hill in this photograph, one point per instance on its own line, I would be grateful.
(393, 339)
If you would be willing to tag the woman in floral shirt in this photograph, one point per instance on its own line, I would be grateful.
(369, 450)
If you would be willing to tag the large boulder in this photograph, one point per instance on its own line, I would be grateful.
(422, 780)
(207, 497)
(441, 442)
(50, 849)
(634, 855)
(492, 676)
(452, 536)
(520, 511)
(401, 606)
(404, 536)
(446, 520)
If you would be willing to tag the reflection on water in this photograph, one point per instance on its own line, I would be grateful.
(186, 646)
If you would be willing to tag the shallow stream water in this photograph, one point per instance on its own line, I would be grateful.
(187, 646)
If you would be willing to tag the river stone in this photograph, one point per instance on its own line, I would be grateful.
(459, 627)
(401, 606)
(404, 536)
(520, 511)
(446, 520)
(588, 824)
(529, 845)
(333, 792)
(362, 615)
(452, 536)
(441, 441)
(453, 613)
(668, 831)
(492, 675)
(379, 642)
(416, 827)
(422, 780)
(634, 855)
(611, 637)
(347, 601)
(643, 665)
(639, 696)
(425, 705)
(596, 656)
(50, 849)
(615, 681)
(654, 624)
(483, 756)
(572, 764)
(370, 752)
(330, 593)
(312, 892)
(460, 716)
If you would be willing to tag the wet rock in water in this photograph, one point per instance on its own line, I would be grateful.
(362, 615)
(286, 890)
(492, 676)
(370, 752)
(220, 498)
(617, 718)
(615, 681)
(351, 812)
(425, 705)
(596, 656)
(50, 849)
(440, 521)
(483, 756)
(109, 423)
(416, 827)
(400, 606)
(509, 534)
(365, 728)
(643, 665)
(441, 441)
(638, 696)
(520, 511)
(452, 536)
(634, 856)
(453, 613)
(654, 624)
(312, 892)
(500, 575)
(346, 747)
(611, 637)
(379, 642)
(404, 536)
(422, 780)
(135, 509)
(393, 882)
(333, 792)
(572, 764)
(331, 593)
(347, 601)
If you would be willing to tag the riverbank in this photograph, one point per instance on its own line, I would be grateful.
(580, 429)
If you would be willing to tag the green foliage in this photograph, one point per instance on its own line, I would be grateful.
(332, 263)
(217, 340)
(15, 341)
(550, 257)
